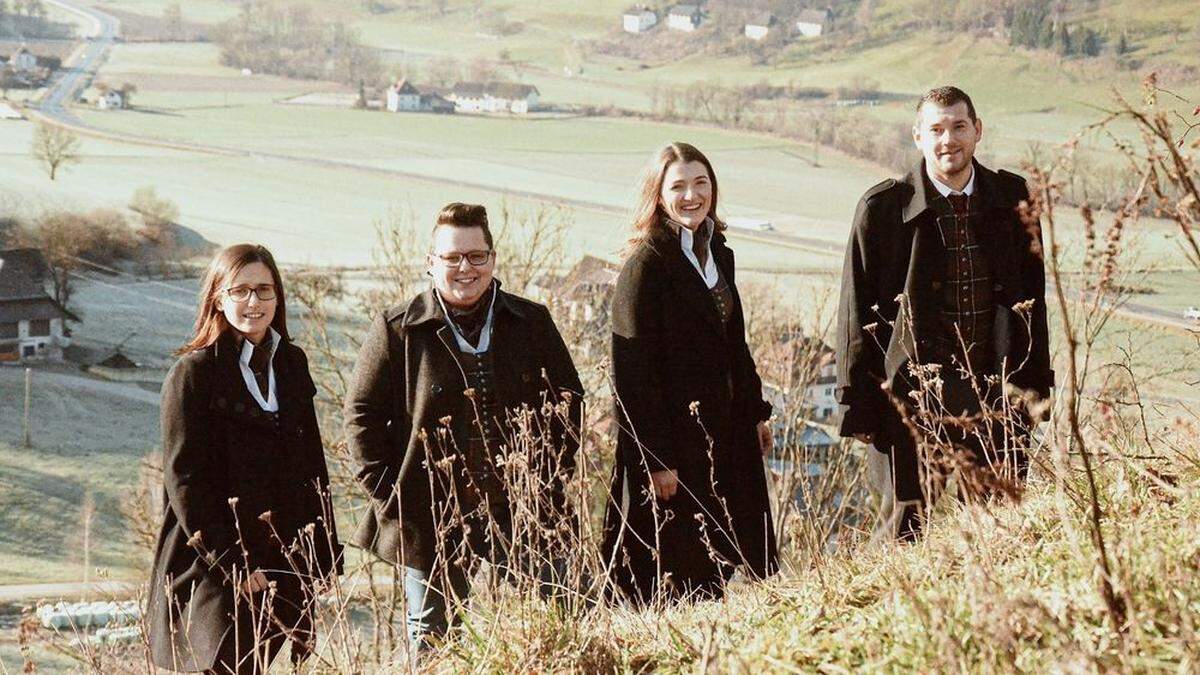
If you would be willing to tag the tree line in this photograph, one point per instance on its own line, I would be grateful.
(292, 41)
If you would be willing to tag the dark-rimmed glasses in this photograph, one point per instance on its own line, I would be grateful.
(242, 293)
(475, 258)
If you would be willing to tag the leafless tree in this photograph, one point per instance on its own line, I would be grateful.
(55, 147)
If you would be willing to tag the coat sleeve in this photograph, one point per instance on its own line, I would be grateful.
(1036, 374)
(638, 336)
(325, 542)
(369, 411)
(757, 407)
(859, 356)
(192, 476)
(564, 378)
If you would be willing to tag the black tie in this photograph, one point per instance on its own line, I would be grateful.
(260, 362)
(960, 202)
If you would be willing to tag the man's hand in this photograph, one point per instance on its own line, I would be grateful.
(868, 438)
(766, 440)
(664, 483)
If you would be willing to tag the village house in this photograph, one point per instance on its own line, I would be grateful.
(31, 322)
(404, 96)
(111, 99)
(758, 27)
(686, 18)
(814, 22)
(22, 60)
(587, 288)
(639, 19)
(494, 97)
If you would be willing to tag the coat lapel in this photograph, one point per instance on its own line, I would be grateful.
(690, 286)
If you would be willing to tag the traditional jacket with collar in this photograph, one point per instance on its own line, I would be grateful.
(888, 305)
(218, 445)
(688, 398)
(406, 411)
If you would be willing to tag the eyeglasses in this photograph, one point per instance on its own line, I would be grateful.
(475, 258)
(242, 293)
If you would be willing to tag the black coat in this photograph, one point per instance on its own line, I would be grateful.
(894, 251)
(408, 388)
(219, 445)
(671, 351)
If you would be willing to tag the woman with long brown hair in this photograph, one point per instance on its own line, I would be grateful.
(689, 499)
(248, 534)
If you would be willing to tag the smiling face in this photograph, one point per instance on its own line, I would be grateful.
(946, 136)
(686, 194)
(253, 316)
(460, 285)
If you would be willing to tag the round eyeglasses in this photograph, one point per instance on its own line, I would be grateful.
(242, 293)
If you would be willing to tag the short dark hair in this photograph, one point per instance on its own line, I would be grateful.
(946, 97)
(458, 214)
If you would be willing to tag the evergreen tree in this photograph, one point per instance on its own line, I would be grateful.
(1066, 42)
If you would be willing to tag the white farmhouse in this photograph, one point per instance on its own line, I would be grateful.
(22, 61)
(758, 27)
(495, 97)
(684, 17)
(403, 97)
(814, 22)
(112, 99)
(639, 19)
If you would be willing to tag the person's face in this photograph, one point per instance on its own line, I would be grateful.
(686, 194)
(946, 136)
(251, 316)
(460, 283)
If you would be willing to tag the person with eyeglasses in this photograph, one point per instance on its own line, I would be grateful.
(248, 537)
(438, 385)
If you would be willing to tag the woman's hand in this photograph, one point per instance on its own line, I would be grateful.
(664, 483)
(766, 440)
(255, 583)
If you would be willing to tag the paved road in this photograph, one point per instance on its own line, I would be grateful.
(80, 383)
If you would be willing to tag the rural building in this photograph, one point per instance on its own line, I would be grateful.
(403, 97)
(494, 97)
(587, 287)
(758, 27)
(22, 61)
(31, 322)
(814, 22)
(639, 19)
(794, 359)
(684, 17)
(112, 99)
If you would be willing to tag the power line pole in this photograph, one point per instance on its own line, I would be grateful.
(28, 390)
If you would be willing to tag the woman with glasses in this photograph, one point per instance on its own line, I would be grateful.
(431, 418)
(248, 536)
(689, 499)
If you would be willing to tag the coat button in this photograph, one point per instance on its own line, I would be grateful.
(437, 388)
(524, 377)
(937, 285)
(221, 402)
(238, 407)
(998, 287)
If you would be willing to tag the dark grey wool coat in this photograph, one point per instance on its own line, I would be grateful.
(218, 444)
(894, 250)
(408, 388)
(672, 354)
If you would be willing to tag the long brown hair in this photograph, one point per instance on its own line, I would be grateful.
(210, 320)
(648, 215)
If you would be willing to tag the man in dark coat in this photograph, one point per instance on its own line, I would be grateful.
(431, 418)
(943, 285)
